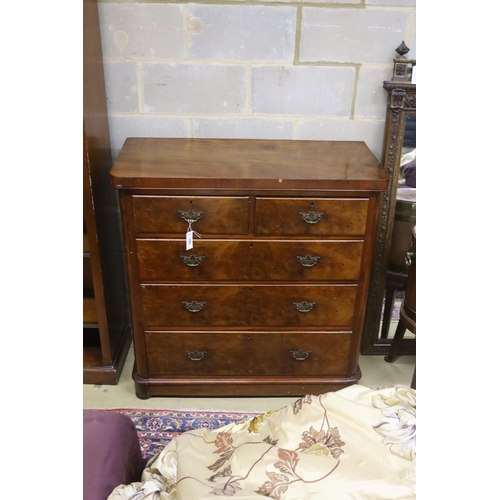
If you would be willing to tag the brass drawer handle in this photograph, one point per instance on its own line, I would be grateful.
(190, 215)
(304, 307)
(300, 355)
(408, 258)
(192, 260)
(311, 217)
(308, 260)
(194, 306)
(196, 355)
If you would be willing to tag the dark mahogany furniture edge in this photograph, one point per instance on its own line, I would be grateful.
(107, 340)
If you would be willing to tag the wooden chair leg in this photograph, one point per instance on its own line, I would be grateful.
(414, 379)
(396, 342)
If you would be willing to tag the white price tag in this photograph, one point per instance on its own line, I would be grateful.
(189, 240)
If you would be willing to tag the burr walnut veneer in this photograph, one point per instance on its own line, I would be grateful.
(271, 298)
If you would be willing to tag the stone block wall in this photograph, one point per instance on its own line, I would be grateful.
(284, 69)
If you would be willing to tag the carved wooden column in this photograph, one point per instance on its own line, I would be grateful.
(401, 103)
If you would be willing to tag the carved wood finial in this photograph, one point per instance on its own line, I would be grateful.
(403, 67)
(402, 50)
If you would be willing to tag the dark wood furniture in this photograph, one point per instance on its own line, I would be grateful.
(408, 315)
(271, 299)
(401, 243)
(401, 105)
(106, 317)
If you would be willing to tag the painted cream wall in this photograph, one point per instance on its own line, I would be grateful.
(250, 69)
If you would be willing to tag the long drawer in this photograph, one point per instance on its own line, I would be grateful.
(248, 306)
(208, 215)
(310, 217)
(247, 353)
(237, 260)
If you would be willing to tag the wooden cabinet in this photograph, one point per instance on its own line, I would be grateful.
(271, 298)
(106, 316)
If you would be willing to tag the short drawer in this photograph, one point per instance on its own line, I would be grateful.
(245, 306)
(233, 260)
(208, 215)
(247, 353)
(304, 216)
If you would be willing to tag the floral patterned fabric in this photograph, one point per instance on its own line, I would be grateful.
(356, 443)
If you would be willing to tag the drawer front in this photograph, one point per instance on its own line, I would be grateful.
(210, 215)
(247, 354)
(166, 260)
(304, 216)
(243, 306)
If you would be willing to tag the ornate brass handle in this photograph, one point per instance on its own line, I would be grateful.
(300, 355)
(304, 307)
(308, 260)
(408, 258)
(311, 217)
(194, 306)
(192, 260)
(196, 355)
(190, 215)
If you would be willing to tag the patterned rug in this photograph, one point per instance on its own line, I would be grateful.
(156, 428)
(398, 299)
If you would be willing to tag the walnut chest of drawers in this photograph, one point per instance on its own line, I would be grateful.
(271, 298)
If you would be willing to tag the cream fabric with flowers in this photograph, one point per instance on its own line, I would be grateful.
(350, 444)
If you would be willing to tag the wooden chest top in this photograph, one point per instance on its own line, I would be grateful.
(163, 163)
